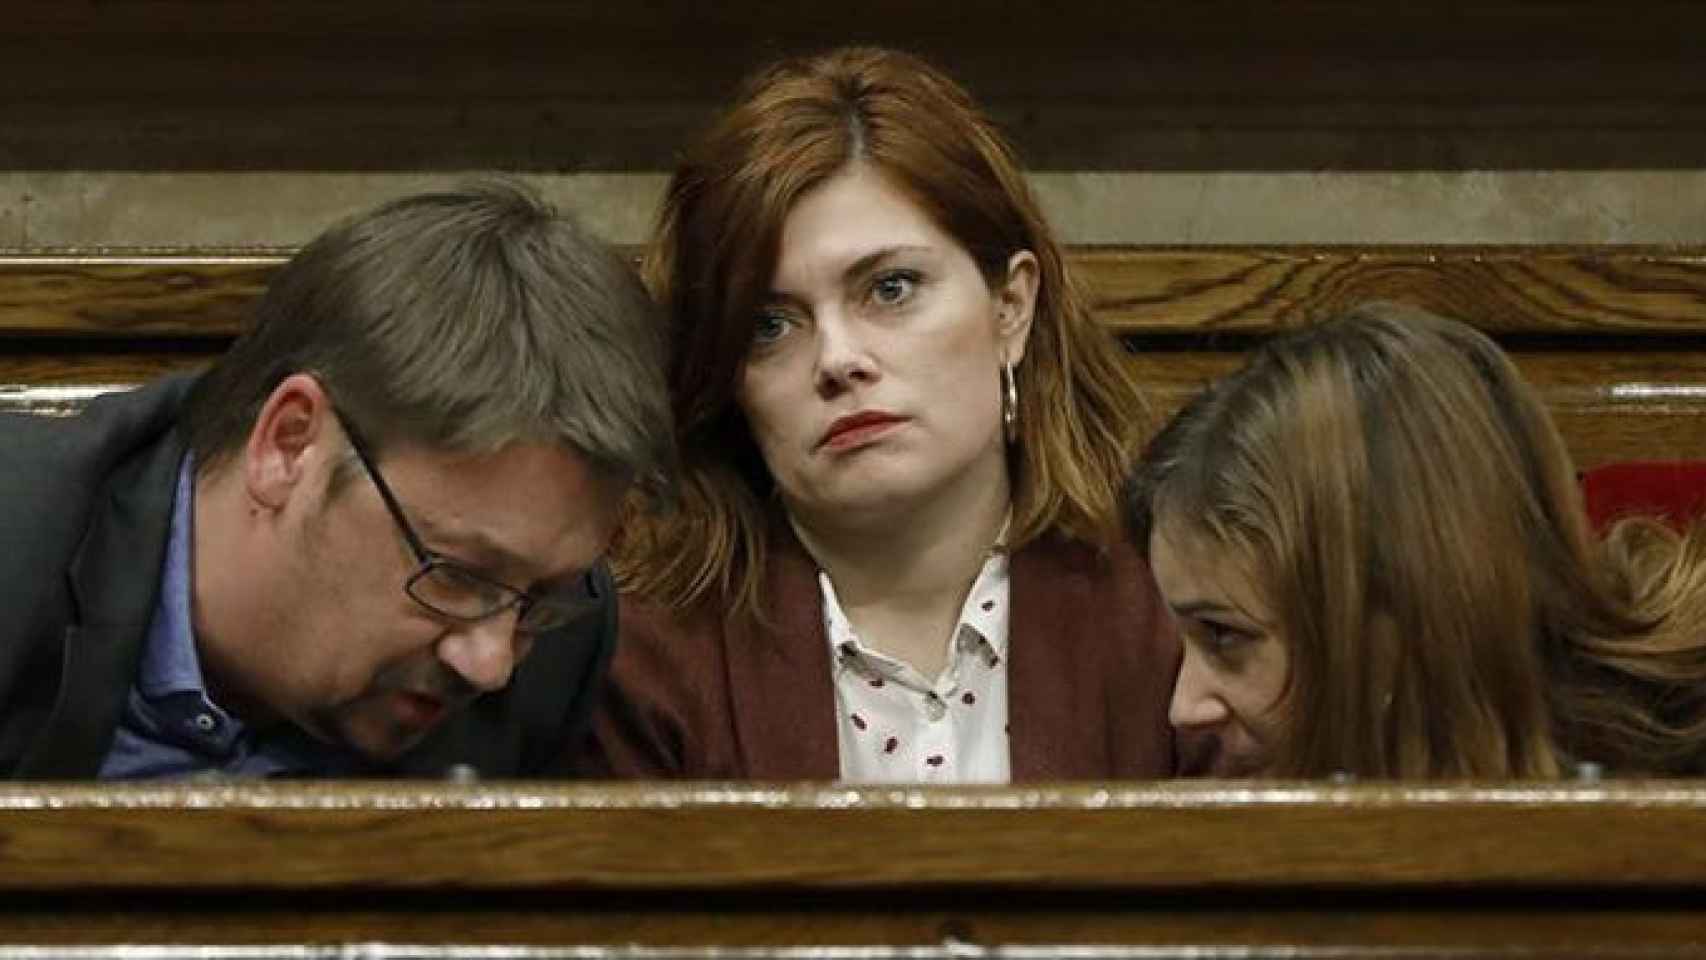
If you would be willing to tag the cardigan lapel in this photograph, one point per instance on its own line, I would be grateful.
(780, 680)
(1049, 609)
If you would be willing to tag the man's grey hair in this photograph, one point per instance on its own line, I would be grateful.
(460, 321)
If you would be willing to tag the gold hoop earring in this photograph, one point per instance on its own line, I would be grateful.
(1009, 402)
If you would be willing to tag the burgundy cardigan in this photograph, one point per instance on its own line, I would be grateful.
(1091, 658)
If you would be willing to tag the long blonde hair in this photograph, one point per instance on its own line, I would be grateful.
(1415, 518)
(795, 125)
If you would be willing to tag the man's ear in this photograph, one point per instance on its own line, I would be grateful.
(292, 433)
(1016, 304)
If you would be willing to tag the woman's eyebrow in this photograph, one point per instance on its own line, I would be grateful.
(1196, 608)
(857, 268)
(869, 261)
(1191, 608)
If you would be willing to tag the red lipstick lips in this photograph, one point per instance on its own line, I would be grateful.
(857, 429)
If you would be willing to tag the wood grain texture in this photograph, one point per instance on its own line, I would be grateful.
(1614, 340)
(665, 872)
(1178, 837)
(62, 384)
(1609, 407)
(1500, 290)
(1183, 291)
(166, 295)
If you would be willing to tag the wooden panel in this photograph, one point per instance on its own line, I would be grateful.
(57, 385)
(1504, 290)
(1187, 869)
(182, 84)
(1611, 406)
(1574, 25)
(1613, 339)
(1180, 836)
(1605, 290)
(131, 295)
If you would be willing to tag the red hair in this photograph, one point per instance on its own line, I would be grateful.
(795, 125)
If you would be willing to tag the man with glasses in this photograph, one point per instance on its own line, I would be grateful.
(367, 541)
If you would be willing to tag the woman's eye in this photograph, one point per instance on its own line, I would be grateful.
(1221, 640)
(769, 328)
(891, 289)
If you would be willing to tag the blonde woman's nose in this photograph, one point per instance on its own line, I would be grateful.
(1197, 701)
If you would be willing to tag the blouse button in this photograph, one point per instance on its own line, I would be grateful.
(934, 708)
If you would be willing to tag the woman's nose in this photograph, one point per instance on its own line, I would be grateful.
(1197, 701)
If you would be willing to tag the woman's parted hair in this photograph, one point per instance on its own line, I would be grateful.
(793, 126)
(464, 321)
(1414, 517)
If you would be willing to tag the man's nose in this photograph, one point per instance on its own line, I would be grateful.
(1197, 700)
(483, 652)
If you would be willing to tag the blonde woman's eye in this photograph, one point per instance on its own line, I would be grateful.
(1222, 641)
(891, 289)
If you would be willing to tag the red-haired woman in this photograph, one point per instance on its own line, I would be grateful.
(899, 554)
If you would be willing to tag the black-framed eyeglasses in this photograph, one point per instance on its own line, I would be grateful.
(449, 589)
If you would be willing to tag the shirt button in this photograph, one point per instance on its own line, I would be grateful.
(205, 722)
(934, 708)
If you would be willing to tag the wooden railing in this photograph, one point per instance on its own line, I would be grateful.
(1613, 338)
(1143, 870)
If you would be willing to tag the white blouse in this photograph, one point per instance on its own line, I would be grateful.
(894, 725)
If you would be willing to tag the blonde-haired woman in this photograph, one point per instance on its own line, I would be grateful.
(899, 555)
(1372, 539)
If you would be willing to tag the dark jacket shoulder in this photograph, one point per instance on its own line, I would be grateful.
(87, 505)
(56, 470)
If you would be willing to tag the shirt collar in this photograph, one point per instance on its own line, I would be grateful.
(170, 664)
(985, 612)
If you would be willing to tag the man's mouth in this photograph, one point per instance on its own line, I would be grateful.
(418, 710)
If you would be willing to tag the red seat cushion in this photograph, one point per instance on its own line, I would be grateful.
(1672, 489)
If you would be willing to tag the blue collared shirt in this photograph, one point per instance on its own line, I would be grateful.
(170, 726)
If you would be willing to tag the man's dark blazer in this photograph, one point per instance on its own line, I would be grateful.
(85, 509)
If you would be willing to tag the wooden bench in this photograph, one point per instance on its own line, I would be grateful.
(1613, 337)
(1188, 870)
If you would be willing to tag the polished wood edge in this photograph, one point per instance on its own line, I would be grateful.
(732, 837)
(1162, 290)
(1249, 795)
(57, 400)
(23, 258)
